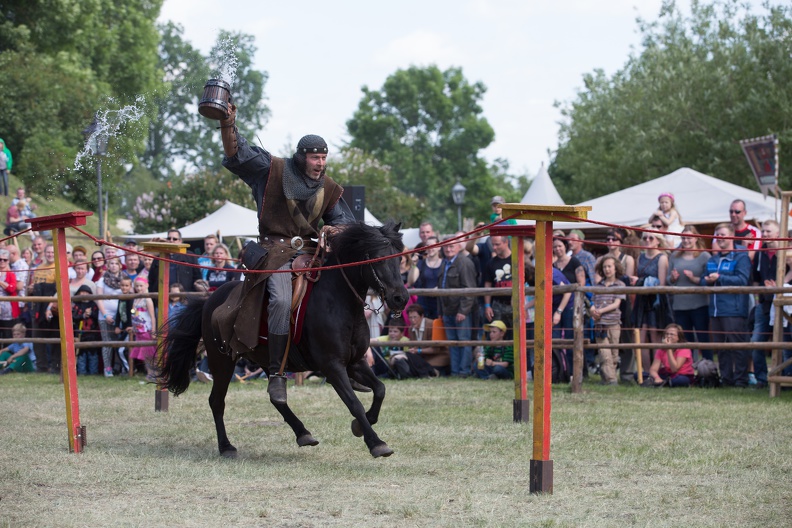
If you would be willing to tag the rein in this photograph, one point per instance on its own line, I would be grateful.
(381, 287)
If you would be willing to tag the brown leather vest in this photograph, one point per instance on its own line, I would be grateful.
(283, 218)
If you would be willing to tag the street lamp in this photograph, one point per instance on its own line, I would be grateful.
(96, 141)
(458, 194)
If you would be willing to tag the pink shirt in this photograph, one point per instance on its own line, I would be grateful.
(687, 364)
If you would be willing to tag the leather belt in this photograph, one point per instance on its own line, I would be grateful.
(296, 242)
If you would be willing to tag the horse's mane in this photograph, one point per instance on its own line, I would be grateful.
(356, 240)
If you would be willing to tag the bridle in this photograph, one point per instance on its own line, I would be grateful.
(380, 287)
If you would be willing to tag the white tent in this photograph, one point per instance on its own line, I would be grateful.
(700, 199)
(542, 191)
(231, 220)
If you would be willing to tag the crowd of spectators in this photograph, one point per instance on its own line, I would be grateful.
(664, 252)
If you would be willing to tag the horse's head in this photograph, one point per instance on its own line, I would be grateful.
(359, 243)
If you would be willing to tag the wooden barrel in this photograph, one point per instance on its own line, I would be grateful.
(215, 100)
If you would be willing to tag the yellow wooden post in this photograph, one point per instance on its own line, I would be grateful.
(541, 466)
(778, 328)
(162, 249)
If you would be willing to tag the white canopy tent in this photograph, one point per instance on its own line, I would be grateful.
(542, 190)
(700, 199)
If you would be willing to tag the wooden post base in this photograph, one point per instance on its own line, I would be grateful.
(541, 476)
(161, 400)
(522, 410)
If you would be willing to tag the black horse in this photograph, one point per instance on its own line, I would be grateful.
(334, 338)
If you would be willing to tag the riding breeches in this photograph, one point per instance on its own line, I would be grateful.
(279, 286)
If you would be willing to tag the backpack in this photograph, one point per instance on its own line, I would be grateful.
(707, 376)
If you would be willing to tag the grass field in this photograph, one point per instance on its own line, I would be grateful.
(623, 456)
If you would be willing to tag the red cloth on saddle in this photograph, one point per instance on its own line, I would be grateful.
(298, 316)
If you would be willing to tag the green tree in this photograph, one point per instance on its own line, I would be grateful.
(426, 125)
(61, 62)
(698, 85)
(383, 198)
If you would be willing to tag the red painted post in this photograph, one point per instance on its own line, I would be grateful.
(163, 249)
(57, 225)
(541, 467)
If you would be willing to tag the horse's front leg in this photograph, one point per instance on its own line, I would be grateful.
(303, 435)
(363, 374)
(339, 379)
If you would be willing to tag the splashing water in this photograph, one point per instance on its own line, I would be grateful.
(109, 124)
(224, 54)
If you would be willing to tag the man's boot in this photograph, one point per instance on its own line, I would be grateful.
(276, 386)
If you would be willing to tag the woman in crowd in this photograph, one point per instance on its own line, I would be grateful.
(652, 311)
(9, 311)
(687, 265)
(672, 367)
(425, 274)
(570, 266)
(27, 256)
(97, 265)
(221, 259)
(81, 278)
(109, 284)
(148, 260)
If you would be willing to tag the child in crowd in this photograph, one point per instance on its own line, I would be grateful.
(85, 318)
(496, 362)
(396, 357)
(142, 325)
(16, 356)
(667, 213)
(176, 301)
(606, 313)
(123, 320)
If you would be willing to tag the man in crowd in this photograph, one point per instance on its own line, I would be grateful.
(425, 231)
(498, 274)
(457, 271)
(576, 238)
(752, 235)
(187, 276)
(729, 311)
(38, 246)
(292, 196)
(18, 264)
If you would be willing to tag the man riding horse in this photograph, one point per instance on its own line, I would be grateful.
(292, 195)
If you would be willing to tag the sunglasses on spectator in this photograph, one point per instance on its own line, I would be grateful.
(735, 211)
(3, 260)
(648, 238)
(612, 239)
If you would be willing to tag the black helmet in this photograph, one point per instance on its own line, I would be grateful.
(309, 144)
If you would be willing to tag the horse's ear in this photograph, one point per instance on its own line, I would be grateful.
(398, 226)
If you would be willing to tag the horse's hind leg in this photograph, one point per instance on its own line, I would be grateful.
(304, 437)
(363, 374)
(222, 367)
(338, 377)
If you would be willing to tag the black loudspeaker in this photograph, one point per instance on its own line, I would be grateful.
(355, 197)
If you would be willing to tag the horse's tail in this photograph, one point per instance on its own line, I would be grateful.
(183, 333)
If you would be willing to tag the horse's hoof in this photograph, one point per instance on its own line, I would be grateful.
(381, 450)
(229, 453)
(307, 440)
(356, 429)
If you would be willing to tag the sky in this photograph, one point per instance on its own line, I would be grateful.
(319, 55)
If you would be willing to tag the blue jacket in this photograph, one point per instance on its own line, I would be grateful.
(734, 269)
